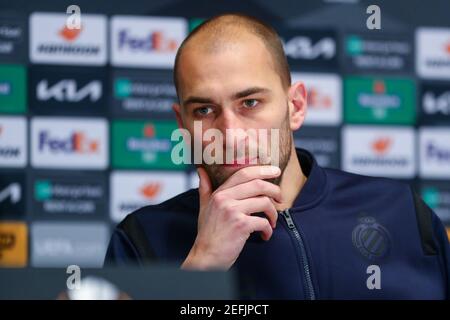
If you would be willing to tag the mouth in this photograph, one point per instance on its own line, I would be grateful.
(241, 162)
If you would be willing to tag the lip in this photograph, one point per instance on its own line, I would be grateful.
(245, 163)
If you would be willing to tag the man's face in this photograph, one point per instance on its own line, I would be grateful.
(235, 87)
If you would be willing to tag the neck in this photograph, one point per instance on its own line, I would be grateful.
(292, 182)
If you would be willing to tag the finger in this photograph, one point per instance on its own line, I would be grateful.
(262, 225)
(259, 204)
(254, 188)
(249, 173)
(205, 186)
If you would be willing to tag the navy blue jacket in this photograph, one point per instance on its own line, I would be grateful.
(347, 236)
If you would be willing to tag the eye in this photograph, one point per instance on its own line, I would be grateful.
(250, 103)
(202, 111)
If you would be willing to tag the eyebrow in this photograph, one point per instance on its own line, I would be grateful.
(235, 96)
(249, 91)
(194, 99)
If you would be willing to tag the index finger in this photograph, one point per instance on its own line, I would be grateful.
(249, 173)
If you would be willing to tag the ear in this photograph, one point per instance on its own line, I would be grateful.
(297, 101)
(177, 109)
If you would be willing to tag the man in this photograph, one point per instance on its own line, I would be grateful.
(295, 231)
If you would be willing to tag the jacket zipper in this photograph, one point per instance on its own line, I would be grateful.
(301, 246)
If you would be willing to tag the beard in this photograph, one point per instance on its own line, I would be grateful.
(218, 174)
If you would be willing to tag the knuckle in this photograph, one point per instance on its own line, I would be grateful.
(278, 190)
(261, 185)
(269, 231)
(227, 209)
(241, 224)
(245, 174)
(218, 198)
(267, 201)
(267, 226)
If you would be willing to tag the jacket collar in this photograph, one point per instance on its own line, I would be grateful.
(315, 187)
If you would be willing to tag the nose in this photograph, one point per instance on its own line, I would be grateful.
(227, 119)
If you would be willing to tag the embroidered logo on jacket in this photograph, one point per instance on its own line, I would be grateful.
(371, 239)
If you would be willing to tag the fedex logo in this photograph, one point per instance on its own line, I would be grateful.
(324, 97)
(146, 41)
(77, 142)
(434, 149)
(154, 41)
(71, 143)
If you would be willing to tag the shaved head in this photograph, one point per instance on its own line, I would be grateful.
(222, 32)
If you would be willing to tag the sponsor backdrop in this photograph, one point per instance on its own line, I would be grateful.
(86, 119)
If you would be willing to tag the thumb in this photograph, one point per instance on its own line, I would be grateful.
(205, 187)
